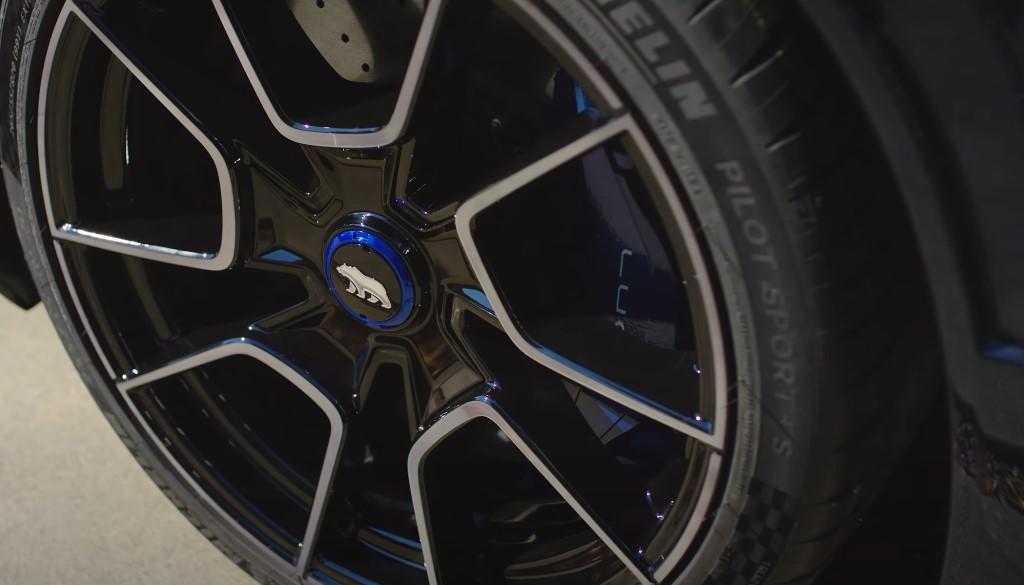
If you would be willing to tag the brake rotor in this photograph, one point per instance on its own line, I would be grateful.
(365, 41)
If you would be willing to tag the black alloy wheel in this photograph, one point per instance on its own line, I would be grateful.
(427, 291)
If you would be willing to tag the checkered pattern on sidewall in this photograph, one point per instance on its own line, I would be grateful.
(765, 523)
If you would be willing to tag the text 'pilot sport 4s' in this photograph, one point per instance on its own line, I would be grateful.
(538, 291)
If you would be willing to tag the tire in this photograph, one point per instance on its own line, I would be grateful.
(240, 292)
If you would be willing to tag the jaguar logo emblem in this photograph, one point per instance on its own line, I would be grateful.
(364, 287)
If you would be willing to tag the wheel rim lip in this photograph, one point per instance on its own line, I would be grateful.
(390, 323)
(363, 236)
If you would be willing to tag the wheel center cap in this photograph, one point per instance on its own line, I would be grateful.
(369, 278)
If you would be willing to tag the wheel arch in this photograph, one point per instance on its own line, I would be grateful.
(927, 75)
(949, 194)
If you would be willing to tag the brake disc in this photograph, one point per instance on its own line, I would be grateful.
(364, 41)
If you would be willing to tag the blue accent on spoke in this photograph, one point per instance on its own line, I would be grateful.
(612, 414)
(281, 255)
(391, 256)
(583, 103)
(399, 539)
(327, 129)
(478, 297)
(393, 557)
(1006, 353)
(319, 576)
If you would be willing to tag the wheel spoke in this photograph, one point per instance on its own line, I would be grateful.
(315, 337)
(544, 163)
(298, 335)
(415, 384)
(181, 348)
(386, 415)
(495, 86)
(610, 500)
(593, 344)
(326, 134)
(485, 408)
(605, 454)
(314, 393)
(403, 198)
(290, 223)
(146, 314)
(131, 239)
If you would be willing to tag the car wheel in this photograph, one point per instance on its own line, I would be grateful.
(467, 291)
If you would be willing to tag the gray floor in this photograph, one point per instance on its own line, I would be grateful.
(74, 506)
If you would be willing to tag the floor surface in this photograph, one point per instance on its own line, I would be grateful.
(75, 508)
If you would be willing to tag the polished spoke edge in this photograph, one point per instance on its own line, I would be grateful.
(228, 249)
(245, 347)
(481, 408)
(383, 136)
(497, 191)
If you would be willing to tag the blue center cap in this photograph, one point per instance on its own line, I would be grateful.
(369, 278)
